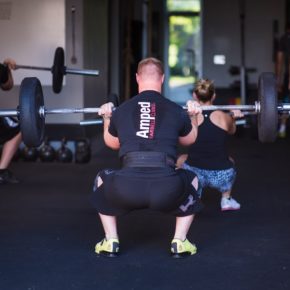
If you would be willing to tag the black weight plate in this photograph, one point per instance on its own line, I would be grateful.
(58, 70)
(268, 116)
(32, 123)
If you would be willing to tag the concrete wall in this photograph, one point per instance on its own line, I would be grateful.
(96, 51)
(97, 46)
(72, 92)
(29, 35)
(221, 35)
(91, 41)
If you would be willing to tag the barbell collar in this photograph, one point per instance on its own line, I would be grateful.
(86, 72)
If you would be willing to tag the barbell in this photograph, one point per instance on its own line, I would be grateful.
(31, 110)
(266, 108)
(59, 69)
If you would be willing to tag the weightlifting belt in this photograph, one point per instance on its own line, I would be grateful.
(147, 159)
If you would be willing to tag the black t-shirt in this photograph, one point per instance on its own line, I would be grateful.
(149, 122)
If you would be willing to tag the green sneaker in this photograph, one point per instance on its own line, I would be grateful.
(181, 249)
(108, 248)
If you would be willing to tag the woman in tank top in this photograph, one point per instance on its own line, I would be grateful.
(208, 157)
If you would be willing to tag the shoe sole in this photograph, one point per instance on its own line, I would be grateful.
(181, 255)
(229, 209)
(107, 254)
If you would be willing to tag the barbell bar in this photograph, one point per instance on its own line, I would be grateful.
(59, 69)
(99, 121)
(43, 111)
(31, 110)
(73, 71)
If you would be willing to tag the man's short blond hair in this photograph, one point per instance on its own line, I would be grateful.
(150, 65)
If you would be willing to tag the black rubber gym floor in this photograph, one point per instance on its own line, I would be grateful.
(48, 230)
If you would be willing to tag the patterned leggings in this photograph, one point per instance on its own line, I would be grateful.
(222, 180)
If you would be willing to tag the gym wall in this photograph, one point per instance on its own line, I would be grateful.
(97, 46)
(90, 50)
(221, 36)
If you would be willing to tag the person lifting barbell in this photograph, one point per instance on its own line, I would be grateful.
(146, 130)
(10, 136)
(208, 157)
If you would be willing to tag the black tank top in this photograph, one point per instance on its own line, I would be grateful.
(210, 150)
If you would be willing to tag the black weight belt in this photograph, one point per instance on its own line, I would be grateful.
(147, 159)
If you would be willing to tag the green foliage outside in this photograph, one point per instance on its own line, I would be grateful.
(182, 31)
(183, 41)
(183, 5)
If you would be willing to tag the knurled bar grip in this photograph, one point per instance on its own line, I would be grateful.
(229, 107)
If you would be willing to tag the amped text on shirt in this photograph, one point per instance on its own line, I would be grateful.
(147, 120)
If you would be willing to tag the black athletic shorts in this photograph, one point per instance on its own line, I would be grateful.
(163, 189)
(9, 128)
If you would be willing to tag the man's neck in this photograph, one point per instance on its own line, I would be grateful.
(149, 87)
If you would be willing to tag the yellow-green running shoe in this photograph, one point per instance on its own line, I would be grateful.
(181, 249)
(108, 248)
